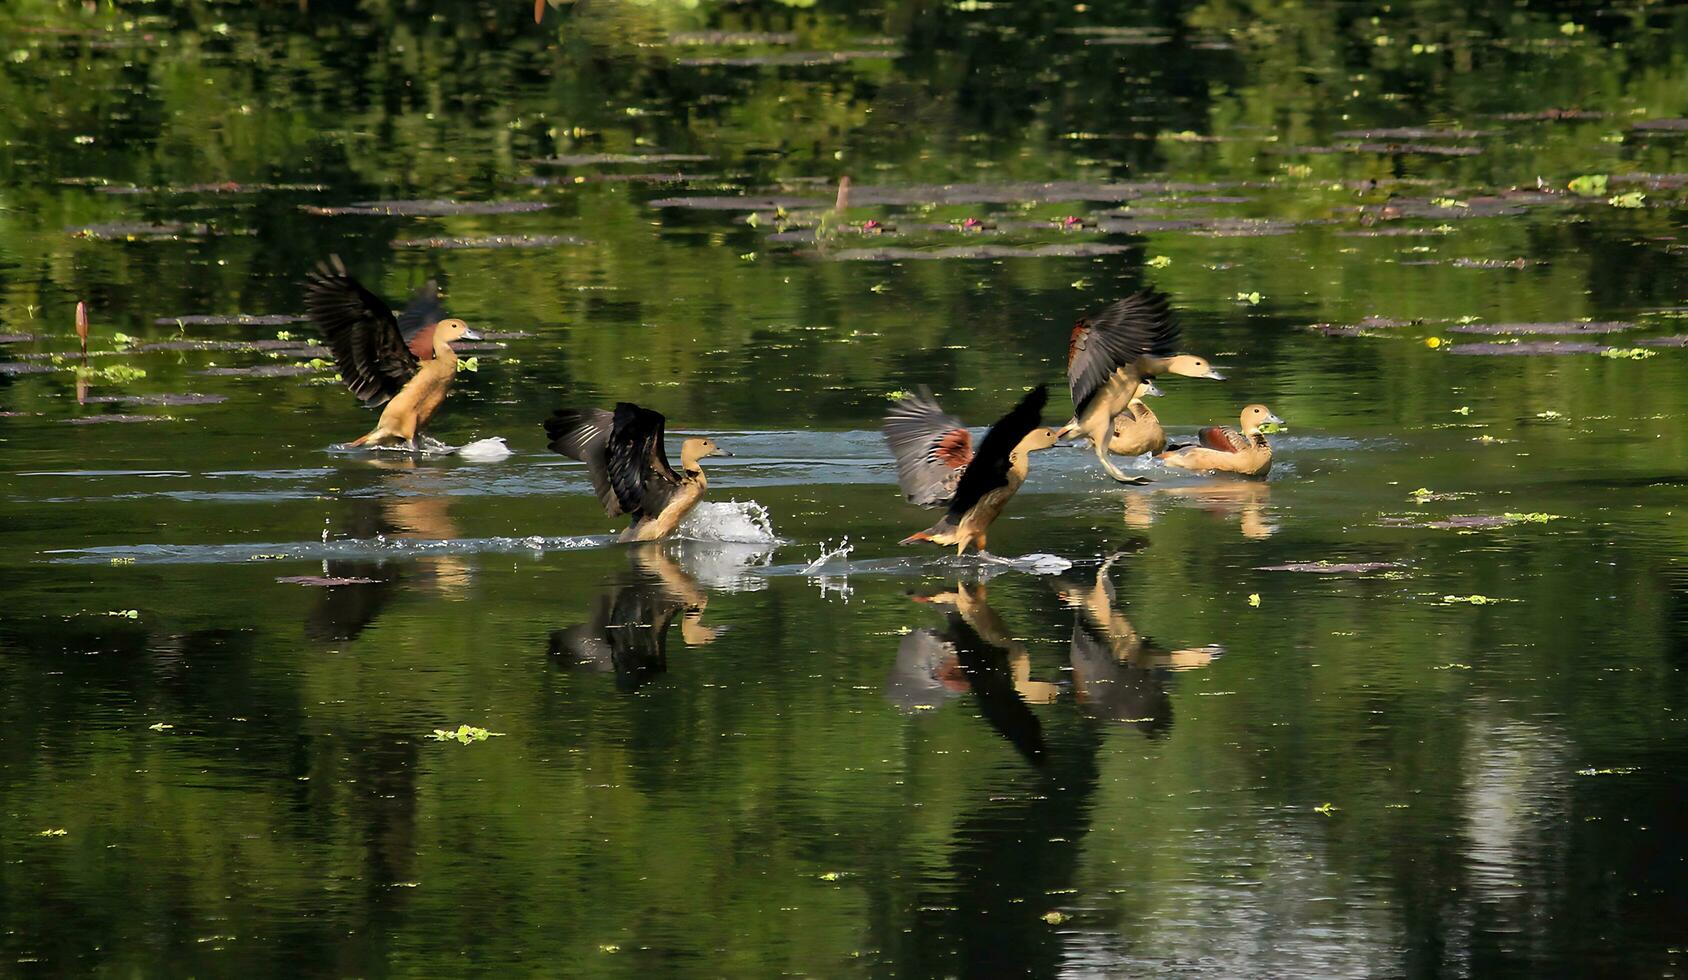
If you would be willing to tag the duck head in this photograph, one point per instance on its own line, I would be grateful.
(1041, 438)
(1191, 366)
(1255, 416)
(695, 449)
(452, 329)
(1147, 389)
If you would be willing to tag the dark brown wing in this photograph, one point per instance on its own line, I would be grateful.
(932, 448)
(584, 434)
(359, 328)
(989, 469)
(420, 316)
(638, 467)
(1222, 438)
(1114, 339)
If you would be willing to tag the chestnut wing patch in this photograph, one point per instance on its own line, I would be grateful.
(1223, 438)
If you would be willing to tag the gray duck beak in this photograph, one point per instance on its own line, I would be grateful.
(1276, 421)
(1152, 391)
(469, 333)
(722, 452)
(1214, 375)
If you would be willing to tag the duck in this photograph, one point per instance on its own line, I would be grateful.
(376, 360)
(1110, 354)
(1223, 449)
(1137, 430)
(624, 455)
(938, 466)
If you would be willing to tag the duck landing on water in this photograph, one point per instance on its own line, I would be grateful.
(629, 468)
(375, 354)
(1226, 450)
(937, 465)
(1110, 355)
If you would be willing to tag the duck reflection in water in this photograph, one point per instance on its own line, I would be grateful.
(344, 610)
(1249, 501)
(1118, 673)
(976, 653)
(628, 629)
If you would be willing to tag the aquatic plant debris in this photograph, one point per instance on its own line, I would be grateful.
(464, 734)
(1473, 600)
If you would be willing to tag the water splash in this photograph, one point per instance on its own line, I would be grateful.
(489, 450)
(379, 547)
(838, 582)
(745, 522)
(829, 555)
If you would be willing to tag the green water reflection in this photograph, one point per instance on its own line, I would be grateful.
(227, 650)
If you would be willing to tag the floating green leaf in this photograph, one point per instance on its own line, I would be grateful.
(1629, 353)
(464, 734)
(1159, 262)
(1589, 185)
(1633, 199)
(1472, 600)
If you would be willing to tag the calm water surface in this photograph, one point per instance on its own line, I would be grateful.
(1415, 706)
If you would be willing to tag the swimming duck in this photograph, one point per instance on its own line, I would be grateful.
(376, 360)
(1137, 430)
(1110, 354)
(623, 453)
(937, 465)
(1226, 450)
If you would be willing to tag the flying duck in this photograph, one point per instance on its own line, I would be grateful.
(1110, 354)
(1226, 450)
(937, 465)
(630, 471)
(375, 355)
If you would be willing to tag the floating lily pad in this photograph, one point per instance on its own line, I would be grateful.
(325, 581)
(140, 230)
(708, 202)
(490, 241)
(612, 178)
(230, 319)
(25, 367)
(1366, 326)
(1530, 347)
(1490, 263)
(1564, 328)
(1412, 133)
(1662, 125)
(1331, 568)
(1420, 149)
(790, 58)
(184, 398)
(594, 159)
(223, 187)
(428, 209)
(1551, 115)
(722, 39)
(260, 371)
(896, 254)
(102, 419)
(1680, 340)
(16, 338)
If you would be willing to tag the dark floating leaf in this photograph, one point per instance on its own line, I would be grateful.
(1331, 568)
(721, 39)
(718, 203)
(790, 58)
(1469, 522)
(1652, 182)
(490, 241)
(1412, 133)
(1391, 233)
(230, 319)
(978, 252)
(185, 398)
(504, 334)
(427, 209)
(139, 230)
(1566, 328)
(1128, 40)
(636, 178)
(1550, 115)
(1662, 125)
(102, 419)
(224, 187)
(325, 581)
(1490, 263)
(1530, 347)
(1680, 340)
(259, 371)
(1361, 329)
(594, 159)
(1420, 149)
(16, 338)
(25, 367)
